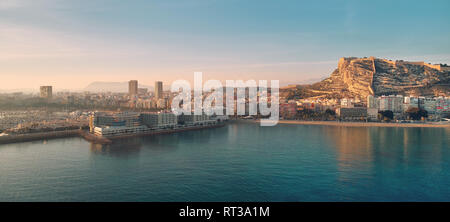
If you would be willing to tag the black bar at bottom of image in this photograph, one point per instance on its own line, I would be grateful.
(224, 211)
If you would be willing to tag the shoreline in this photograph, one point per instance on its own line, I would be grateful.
(364, 124)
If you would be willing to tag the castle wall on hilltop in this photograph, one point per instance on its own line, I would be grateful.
(420, 63)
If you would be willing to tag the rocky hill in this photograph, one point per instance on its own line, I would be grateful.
(360, 77)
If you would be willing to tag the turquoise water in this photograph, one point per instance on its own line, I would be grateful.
(238, 162)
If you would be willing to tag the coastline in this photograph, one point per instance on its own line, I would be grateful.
(363, 124)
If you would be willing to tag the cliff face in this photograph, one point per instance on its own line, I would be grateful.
(360, 77)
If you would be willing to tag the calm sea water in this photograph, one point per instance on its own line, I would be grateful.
(239, 162)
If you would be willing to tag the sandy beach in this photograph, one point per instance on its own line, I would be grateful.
(365, 124)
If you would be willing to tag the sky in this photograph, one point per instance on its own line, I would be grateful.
(69, 44)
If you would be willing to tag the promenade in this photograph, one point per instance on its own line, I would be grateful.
(365, 124)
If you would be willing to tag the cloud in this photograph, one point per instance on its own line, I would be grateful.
(18, 42)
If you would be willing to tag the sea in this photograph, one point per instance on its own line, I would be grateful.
(241, 161)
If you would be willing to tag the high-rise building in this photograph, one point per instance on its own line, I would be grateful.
(371, 102)
(158, 90)
(392, 103)
(46, 92)
(429, 104)
(133, 87)
(410, 102)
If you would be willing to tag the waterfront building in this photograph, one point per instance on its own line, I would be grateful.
(346, 103)
(429, 104)
(442, 105)
(410, 102)
(288, 110)
(158, 90)
(159, 120)
(190, 120)
(128, 119)
(372, 114)
(371, 102)
(46, 92)
(109, 131)
(392, 103)
(117, 124)
(350, 114)
(133, 87)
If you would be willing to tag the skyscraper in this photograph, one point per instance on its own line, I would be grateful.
(133, 87)
(46, 92)
(158, 90)
(371, 102)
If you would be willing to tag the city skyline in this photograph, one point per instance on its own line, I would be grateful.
(71, 44)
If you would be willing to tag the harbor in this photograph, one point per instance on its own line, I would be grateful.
(95, 138)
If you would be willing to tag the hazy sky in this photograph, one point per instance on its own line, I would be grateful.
(69, 44)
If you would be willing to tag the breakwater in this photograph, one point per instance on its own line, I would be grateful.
(17, 138)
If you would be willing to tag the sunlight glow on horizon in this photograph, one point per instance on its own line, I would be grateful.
(69, 44)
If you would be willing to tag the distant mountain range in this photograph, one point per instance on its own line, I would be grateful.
(112, 87)
(360, 77)
(353, 78)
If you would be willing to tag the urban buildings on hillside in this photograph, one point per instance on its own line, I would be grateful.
(41, 120)
(400, 104)
(46, 92)
(158, 90)
(354, 109)
(288, 110)
(133, 87)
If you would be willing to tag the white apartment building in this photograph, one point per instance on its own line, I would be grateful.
(346, 103)
(159, 120)
(119, 130)
(392, 103)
